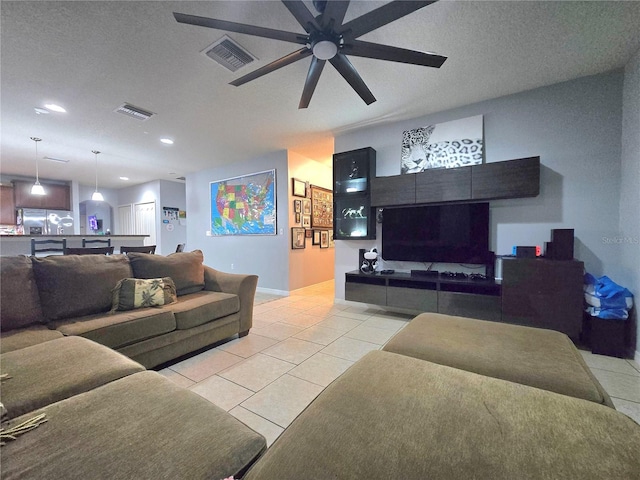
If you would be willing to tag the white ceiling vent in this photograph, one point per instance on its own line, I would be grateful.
(134, 112)
(229, 54)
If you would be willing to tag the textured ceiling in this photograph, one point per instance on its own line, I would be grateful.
(91, 57)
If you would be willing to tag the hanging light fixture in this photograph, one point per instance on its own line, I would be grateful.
(97, 196)
(37, 189)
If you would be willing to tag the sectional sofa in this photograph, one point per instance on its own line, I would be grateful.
(73, 295)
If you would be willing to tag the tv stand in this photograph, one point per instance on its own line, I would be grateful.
(535, 292)
(427, 293)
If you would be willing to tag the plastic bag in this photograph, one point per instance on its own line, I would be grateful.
(606, 299)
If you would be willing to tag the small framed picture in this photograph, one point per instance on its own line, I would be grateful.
(324, 238)
(306, 206)
(308, 233)
(332, 242)
(316, 237)
(306, 221)
(298, 188)
(297, 220)
(298, 238)
(297, 206)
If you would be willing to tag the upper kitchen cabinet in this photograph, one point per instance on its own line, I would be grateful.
(7, 207)
(57, 197)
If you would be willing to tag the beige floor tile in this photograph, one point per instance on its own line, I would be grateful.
(634, 363)
(379, 336)
(270, 431)
(343, 324)
(204, 365)
(325, 310)
(257, 372)
(320, 335)
(349, 348)
(302, 320)
(277, 330)
(221, 392)
(248, 346)
(321, 369)
(353, 315)
(619, 385)
(630, 409)
(605, 362)
(260, 323)
(365, 310)
(293, 350)
(392, 324)
(176, 378)
(283, 400)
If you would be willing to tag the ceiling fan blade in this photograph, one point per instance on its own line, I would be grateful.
(381, 16)
(393, 54)
(335, 10)
(302, 14)
(315, 69)
(348, 71)
(241, 28)
(281, 62)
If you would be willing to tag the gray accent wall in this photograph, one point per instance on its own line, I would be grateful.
(264, 255)
(576, 129)
(629, 246)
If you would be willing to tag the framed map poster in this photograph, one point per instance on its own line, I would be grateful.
(244, 205)
(321, 207)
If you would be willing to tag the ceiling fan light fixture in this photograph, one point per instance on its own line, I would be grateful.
(325, 50)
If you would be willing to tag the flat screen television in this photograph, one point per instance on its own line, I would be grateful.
(442, 233)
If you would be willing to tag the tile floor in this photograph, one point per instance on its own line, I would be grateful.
(301, 343)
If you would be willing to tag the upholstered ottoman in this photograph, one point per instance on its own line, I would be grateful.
(531, 356)
(141, 427)
(391, 416)
(51, 371)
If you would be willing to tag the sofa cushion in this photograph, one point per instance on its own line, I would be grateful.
(392, 416)
(202, 307)
(118, 329)
(19, 300)
(25, 337)
(139, 427)
(55, 370)
(75, 285)
(532, 356)
(132, 293)
(185, 268)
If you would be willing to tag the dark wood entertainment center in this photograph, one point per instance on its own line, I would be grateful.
(536, 292)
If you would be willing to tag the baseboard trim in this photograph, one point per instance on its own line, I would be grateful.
(273, 291)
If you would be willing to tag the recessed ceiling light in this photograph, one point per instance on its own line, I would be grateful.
(166, 141)
(55, 108)
(41, 111)
(124, 178)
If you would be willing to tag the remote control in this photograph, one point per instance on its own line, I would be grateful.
(387, 272)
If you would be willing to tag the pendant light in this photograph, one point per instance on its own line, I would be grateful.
(37, 189)
(97, 196)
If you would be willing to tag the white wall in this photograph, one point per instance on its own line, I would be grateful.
(264, 255)
(575, 127)
(312, 264)
(629, 248)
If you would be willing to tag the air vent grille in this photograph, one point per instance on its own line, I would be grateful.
(134, 112)
(229, 54)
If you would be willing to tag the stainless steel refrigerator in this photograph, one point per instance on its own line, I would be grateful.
(45, 222)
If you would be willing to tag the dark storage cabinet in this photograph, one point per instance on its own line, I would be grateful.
(7, 207)
(353, 216)
(543, 293)
(395, 190)
(57, 197)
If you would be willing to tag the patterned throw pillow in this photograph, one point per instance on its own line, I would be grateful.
(131, 293)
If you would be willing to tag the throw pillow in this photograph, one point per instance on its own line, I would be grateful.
(186, 269)
(131, 293)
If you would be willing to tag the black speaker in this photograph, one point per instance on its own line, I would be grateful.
(361, 258)
(562, 239)
(490, 271)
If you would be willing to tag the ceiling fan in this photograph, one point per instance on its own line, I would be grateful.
(328, 38)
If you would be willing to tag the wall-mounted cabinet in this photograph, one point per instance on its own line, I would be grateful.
(7, 207)
(489, 181)
(353, 217)
(57, 197)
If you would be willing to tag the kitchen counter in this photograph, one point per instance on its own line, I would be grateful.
(21, 244)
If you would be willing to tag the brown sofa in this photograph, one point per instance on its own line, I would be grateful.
(46, 298)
